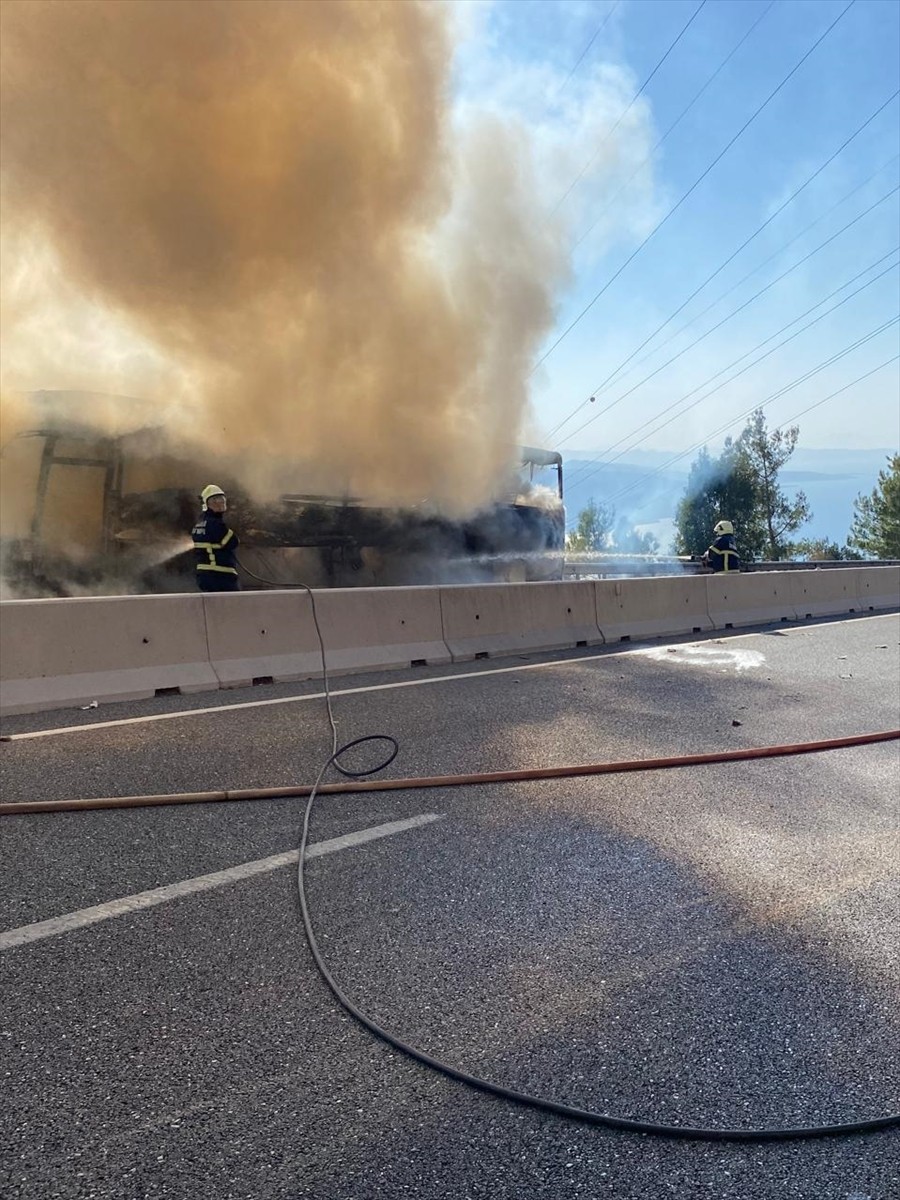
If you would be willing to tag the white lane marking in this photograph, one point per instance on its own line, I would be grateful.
(600, 652)
(200, 883)
(736, 657)
(372, 687)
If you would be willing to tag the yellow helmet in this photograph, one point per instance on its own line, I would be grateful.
(211, 489)
(723, 527)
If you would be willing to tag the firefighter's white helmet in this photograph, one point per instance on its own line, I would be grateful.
(723, 527)
(211, 489)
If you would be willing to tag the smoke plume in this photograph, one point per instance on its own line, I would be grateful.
(258, 216)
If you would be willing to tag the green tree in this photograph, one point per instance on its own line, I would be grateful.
(595, 523)
(598, 529)
(717, 489)
(697, 509)
(764, 454)
(741, 486)
(821, 550)
(628, 540)
(875, 529)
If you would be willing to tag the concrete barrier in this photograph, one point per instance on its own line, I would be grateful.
(368, 628)
(651, 607)
(750, 599)
(502, 618)
(879, 587)
(257, 637)
(825, 593)
(63, 653)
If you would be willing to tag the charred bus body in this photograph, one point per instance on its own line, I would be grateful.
(86, 513)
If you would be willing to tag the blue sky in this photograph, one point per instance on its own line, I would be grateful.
(518, 58)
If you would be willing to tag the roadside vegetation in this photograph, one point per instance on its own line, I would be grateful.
(741, 484)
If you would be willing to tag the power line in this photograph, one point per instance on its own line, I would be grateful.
(593, 468)
(609, 461)
(581, 57)
(759, 346)
(602, 386)
(693, 187)
(725, 61)
(819, 403)
(684, 112)
(893, 191)
(625, 111)
(771, 399)
(810, 179)
(776, 254)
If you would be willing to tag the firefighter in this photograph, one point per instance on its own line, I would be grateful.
(215, 544)
(722, 554)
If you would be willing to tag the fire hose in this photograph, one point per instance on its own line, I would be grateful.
(474, 778)
(608, 1120)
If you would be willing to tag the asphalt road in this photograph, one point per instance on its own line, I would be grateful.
(706, 946)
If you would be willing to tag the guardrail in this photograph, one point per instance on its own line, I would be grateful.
(636, 566)
(821, 564)
(63, 653)
(630, 566)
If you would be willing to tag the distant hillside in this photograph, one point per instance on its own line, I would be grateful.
(831, 479)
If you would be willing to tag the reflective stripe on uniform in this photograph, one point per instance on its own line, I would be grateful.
(215, 545)
(211, 549)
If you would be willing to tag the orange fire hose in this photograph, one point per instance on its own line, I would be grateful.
(381, 785)
(436, 781)
(755, 1134)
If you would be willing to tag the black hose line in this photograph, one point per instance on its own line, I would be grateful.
(609, 1120)
(543, 1103)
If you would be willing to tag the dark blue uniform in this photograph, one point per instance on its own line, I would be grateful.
(215, 547)
(722, 554)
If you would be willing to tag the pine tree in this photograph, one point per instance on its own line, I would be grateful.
(598, 529)
(629, 540)
(876, 519)
(595, 523)
(717, 489)
(763, 454)
(741, 486)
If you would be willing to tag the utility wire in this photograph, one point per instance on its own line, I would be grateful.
(593, 467)
(734, 287)
(797, 333)
(737, 310)
(724, 63)
(734, 312)
(819, 403)
(692, 188)
(730, 424)
(771, 399)
(611, 377)
(609, 461)
(587, 166)
(684, 112)
(597, 33)
(756, 233)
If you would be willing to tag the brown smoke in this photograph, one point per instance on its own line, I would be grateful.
(268, 194)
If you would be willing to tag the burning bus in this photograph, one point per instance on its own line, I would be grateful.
(84, 512)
